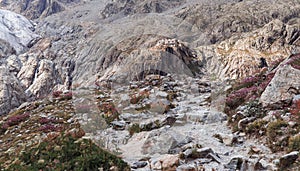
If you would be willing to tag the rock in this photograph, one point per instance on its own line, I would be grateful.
(255, 150)
(228, 139)
(187, 167)
(41, 161)
(121, 8)
(16, 30)
(14, 64)
(215, 157)
(27, 73)
(156, 165)
(170, 120)
(198, 153)
(288, 159)
(139, 164)
(243, 122)
(296, 97)
(11, 91)
(236, 163)
(163, 141)
(170, 162)
(45, 79)
(204, 152)
(162, 94)
(207, 117)
(118, 125)
(261, 165)
(6, 49)
(285, 79)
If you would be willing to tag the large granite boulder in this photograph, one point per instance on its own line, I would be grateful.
(284, 85)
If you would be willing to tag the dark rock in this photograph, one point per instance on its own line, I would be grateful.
(198, 153)
(288, 159)
(215, 157)
(169, 121)
(139, 164)
(235, 163)
(118, 125)
(260, 165)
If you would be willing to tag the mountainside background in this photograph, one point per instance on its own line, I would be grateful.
(138, 73)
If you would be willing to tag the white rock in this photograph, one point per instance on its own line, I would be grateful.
(16, 30)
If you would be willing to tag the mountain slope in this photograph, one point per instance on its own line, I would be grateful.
(143, 71)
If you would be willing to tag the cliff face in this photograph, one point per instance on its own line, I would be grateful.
(17, 32)
(241, 56)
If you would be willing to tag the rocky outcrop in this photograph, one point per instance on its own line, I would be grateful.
(225, 19)
(282, 88)
(17, 32)
(11, 91)
(166, 56)
(240, 57)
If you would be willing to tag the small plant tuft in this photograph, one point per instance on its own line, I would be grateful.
(294, 143)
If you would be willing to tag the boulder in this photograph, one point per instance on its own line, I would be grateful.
(170, 162)
(163, 141)
(165, 162)
(279, 89)
(239, 163)
(288, 159)
(139, 164)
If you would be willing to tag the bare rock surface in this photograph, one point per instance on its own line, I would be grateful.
(11, 91)
(283, 86)
(17, 31)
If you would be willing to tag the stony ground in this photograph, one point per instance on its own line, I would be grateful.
(189, 135)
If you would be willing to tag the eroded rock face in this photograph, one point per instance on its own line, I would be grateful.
(167, 56)
(240, 57)
(44, 81)
(11, 91)
(16, 31)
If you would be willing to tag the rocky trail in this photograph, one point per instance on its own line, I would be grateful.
(190, 136)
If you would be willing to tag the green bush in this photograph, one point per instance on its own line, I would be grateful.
(278, 134)
(256, 127)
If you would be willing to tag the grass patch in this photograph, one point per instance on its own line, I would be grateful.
(294, 143)
(67, 153)
(278, 135)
